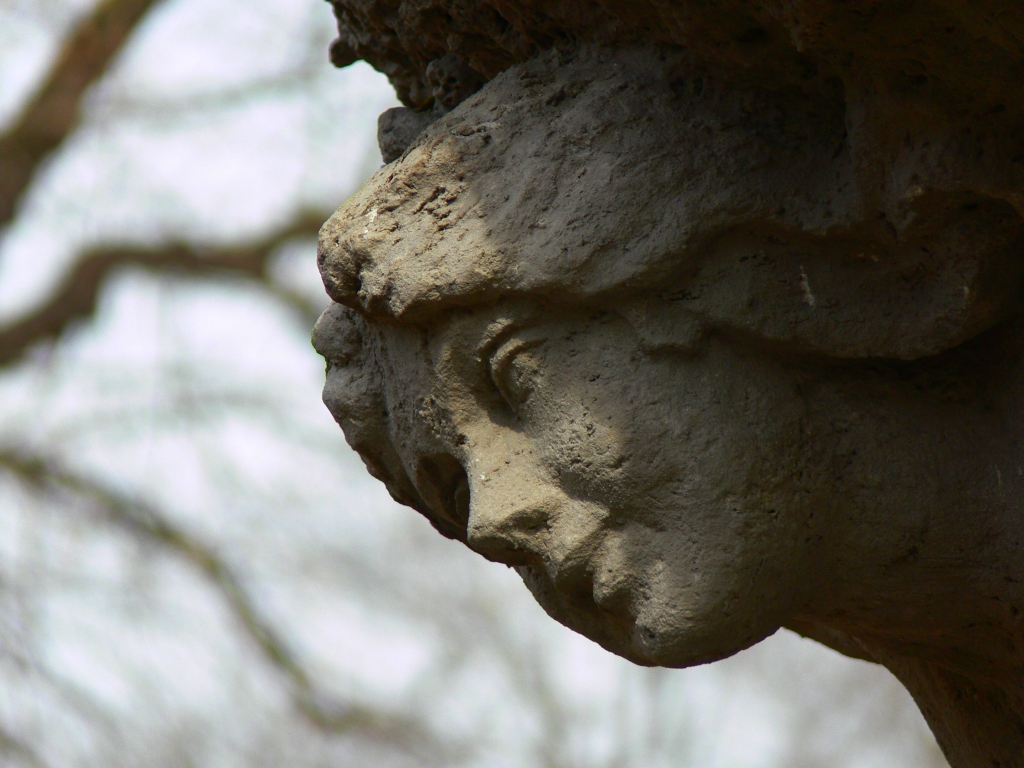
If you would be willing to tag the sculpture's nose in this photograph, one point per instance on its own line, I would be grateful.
(509, 513)
(444, 486)
(336, 335)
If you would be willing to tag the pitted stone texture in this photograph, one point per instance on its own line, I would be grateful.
(938, 53)
(397, 128)
(593, 176)
(709, 342)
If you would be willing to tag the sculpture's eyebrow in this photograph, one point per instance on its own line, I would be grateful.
(497, 333)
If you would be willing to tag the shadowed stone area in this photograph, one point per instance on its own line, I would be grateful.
(706, 317)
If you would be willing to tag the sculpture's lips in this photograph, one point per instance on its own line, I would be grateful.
(614, 606)
(576, 594)
(596, 580)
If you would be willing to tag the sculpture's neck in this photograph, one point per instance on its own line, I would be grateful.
(948, 585)
(960, 649)
(978, 721)
(919, 503)
(926, 522)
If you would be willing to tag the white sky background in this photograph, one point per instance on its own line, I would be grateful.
(219, 122)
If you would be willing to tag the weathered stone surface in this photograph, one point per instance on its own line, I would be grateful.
(939, 52)
(397, 128)
(600, 175)
(703, 346)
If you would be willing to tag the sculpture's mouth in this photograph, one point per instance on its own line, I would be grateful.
(601, 606)
(614, 588)
(593, 578)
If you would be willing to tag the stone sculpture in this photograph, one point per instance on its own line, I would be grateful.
(706, 319)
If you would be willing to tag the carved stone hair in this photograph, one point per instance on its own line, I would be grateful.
(635, 178)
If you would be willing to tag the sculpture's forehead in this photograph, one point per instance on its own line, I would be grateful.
(582, 177)
(610, 175)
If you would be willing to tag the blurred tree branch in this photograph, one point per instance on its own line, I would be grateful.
(43, 125)
(15, 749)
(51, 115)
(145, 522)
(76, 297)
(470, 624)
(281, 84)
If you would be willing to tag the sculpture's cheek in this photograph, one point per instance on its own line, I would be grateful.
(637, 493)
(698, 549)
(705, 599)
(674, 595)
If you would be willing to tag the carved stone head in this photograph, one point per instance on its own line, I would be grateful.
(699, 362)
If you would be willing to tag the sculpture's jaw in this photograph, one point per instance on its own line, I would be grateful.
(642, 615)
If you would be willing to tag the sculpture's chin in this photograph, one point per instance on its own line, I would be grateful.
(652, 632)
(669, 641)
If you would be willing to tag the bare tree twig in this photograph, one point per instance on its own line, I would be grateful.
(484, 629)
(78, 698)
(52, 114)
(17, 749)
(77, 296)
(148, 523)
(288, 83)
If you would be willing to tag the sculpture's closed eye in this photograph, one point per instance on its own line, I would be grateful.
(513, 370)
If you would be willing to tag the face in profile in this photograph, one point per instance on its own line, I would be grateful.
(770, 393)
(671, 495)
(646, 498)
